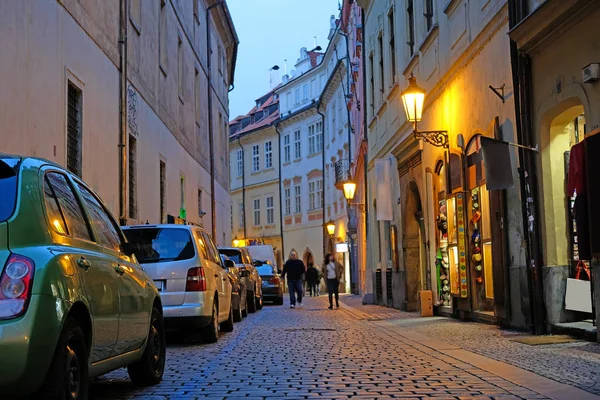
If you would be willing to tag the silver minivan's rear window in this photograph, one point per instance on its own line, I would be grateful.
(233, 255)
(161, 244)
(9, 167)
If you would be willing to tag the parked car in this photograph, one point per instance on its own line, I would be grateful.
(239, 300)
(243, 261)
(272, 284)
(74, 303)
(186, 267)
(263, 252)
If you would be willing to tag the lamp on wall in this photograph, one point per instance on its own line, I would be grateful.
(413, 98)
(330, 228)
(349, 188)
(236, 242)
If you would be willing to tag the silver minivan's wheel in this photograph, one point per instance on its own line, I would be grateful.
(237, 312)
(150, 368)
(211, 332)
(227, 326)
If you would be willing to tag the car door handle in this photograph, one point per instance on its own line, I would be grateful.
(83, 263)
(119, 269)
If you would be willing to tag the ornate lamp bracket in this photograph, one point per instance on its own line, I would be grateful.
(436, 138)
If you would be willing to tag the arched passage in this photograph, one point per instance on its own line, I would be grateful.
(413, 245)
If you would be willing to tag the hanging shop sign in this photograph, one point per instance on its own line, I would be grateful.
(462, 254)
(341, 247)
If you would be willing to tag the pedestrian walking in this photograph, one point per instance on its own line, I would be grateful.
(332, 271)
(312, 277)
(294, 269)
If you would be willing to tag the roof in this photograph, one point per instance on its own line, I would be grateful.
(268, 100)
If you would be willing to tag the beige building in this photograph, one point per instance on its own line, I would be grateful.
(60, 74)
(433, 224)
(556, 83)
(254, 175)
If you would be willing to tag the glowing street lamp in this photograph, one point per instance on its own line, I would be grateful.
(413, 98)
(236, 242)
(349, 190)
(330, 228)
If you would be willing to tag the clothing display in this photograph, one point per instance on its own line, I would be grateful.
(577, 187)
(441, 261)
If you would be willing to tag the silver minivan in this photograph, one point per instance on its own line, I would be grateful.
(188, 271)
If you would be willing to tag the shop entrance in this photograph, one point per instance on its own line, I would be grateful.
(567, 247)
(485, 240)
(414, 247)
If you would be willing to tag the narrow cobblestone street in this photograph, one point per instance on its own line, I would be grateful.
(350, 352)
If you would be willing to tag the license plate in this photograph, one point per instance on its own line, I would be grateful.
(159, 285)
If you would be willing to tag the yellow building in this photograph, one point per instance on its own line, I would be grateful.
(255, 188)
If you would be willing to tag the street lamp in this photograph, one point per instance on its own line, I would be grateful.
(349, 190)
(236, 242)
(413, 98)
(330, 228)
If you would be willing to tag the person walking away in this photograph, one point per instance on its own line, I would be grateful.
(312, 276)
(332, 271)
(294, 269)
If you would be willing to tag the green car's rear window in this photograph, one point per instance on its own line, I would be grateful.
(9, 167)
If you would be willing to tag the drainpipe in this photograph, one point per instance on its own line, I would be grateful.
(243, 186)
(365, 139)
(521, 73)
(325, 251)
(210, 125)
(123, 21)
(280, 191)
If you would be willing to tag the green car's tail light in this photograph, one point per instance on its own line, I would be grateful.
(15, 286)
(196, 281)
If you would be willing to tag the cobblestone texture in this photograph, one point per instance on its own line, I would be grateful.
(576, 363)
(313, 352)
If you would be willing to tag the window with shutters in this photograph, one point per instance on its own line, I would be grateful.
(74, 128)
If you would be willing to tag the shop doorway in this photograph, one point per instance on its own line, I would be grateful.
(566, 246)
(485, 215)
(414, 247)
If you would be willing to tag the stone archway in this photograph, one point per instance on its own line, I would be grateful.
(414, 252)
(308, 257)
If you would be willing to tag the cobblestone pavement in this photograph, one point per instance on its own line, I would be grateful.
(576, 363)
(314, 352)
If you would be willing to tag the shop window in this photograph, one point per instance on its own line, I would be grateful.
(445, 256)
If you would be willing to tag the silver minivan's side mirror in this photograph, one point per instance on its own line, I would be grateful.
(229, 264)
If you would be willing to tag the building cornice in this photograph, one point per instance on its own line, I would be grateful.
(549, 21)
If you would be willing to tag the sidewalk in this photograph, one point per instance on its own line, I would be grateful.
(576, 363)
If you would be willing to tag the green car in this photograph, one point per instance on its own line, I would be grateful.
(74, 302)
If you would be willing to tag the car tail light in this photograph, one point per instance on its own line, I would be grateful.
(15, 286)
(196, 280)
(274, 280)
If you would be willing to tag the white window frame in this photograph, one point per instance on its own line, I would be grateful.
(305, 92)
(297, 96)
(268, 154)
(287, 194)
(315, 137)
(270, 210)
(256, 204)
(240, 162)
(287, 149)
(298, 199)
(255, 158)
(297, 144)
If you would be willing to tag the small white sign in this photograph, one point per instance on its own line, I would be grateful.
(341, 247)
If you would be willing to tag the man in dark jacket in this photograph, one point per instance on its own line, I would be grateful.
(312, 276)
(294, 269)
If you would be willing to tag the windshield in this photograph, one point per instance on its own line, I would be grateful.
(265, 270)
(161, 244)
(233, 255)
(8, 186)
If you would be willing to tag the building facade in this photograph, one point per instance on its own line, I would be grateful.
(554, 57)
(434, 226)
(255, 194)
(61, 77)
(301, 148)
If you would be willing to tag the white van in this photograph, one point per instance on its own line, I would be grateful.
(263, 253)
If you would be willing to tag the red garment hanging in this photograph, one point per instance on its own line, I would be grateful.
(577, 177)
